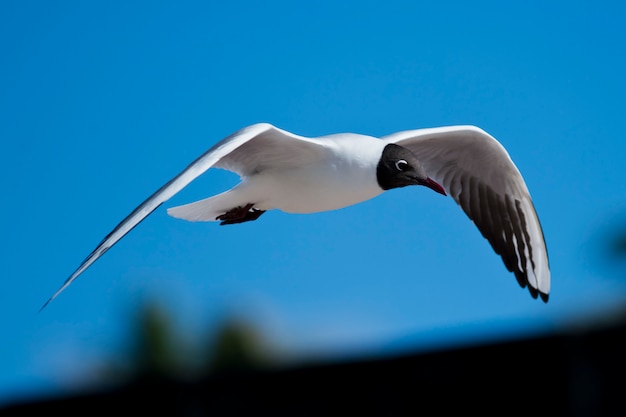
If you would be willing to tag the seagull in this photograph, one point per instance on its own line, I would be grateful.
(296, 174)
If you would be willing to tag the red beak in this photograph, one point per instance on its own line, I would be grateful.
(434, 186)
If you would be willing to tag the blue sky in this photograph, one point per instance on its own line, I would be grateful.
(103, 102)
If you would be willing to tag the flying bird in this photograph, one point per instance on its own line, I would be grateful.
(295, 174)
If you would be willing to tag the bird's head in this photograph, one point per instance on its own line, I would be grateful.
(399, 167)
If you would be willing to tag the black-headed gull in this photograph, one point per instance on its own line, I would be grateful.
(280, 170)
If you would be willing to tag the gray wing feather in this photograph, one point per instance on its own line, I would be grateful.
(480, 176)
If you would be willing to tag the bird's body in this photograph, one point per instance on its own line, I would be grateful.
(348, 178)
(280, 170)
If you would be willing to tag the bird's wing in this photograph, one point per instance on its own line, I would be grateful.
(246, 151)
(272, 148)
(478, 173)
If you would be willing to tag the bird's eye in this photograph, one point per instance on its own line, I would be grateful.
(402, 165)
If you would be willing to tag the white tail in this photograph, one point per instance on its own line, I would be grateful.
(199, 211)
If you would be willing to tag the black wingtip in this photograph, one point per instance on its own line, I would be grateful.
(44, 305)
(535, 293)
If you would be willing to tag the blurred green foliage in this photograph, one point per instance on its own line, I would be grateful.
(158, 351)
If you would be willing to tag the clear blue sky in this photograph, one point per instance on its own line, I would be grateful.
(102, 102)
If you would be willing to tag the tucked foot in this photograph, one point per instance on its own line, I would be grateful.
(239, 215)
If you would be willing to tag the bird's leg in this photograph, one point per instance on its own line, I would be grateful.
(239, 215)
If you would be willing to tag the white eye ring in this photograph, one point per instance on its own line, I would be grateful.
(401, 165)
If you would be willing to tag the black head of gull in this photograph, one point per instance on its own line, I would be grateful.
(296, 174)
(399, 167)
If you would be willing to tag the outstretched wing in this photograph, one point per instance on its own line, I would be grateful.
(278, 146)
(478, 173)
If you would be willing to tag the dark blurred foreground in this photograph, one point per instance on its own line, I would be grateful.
(580, 373)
